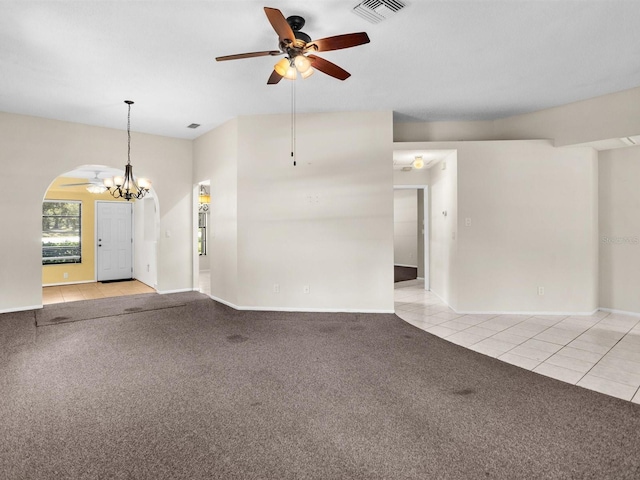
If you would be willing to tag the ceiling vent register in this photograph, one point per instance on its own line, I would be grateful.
(375, 11)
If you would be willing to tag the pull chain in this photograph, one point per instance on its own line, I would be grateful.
(293, 121)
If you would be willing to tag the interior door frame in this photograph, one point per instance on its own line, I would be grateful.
(425, 220)
(95, 238)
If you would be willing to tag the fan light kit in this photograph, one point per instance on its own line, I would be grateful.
(96, 189)
(299, 49)
(126, 186)
(93, 186)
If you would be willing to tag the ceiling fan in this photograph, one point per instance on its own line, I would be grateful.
(91, 181)
(299, 49)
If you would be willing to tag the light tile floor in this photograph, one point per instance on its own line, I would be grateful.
(599, 352)
(89, 291)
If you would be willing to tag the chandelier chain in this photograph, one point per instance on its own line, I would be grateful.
(125, 186)
(129, 135)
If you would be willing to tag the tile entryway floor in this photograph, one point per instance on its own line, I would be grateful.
(89, 291)
(599, 352)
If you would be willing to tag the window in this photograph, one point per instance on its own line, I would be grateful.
(61, 226)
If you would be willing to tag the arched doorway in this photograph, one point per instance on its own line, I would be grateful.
(71, 210)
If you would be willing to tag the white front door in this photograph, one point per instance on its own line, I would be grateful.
(114, 241)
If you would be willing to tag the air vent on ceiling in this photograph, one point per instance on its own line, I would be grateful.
(375, 11)
(193, 125)
(630, 141)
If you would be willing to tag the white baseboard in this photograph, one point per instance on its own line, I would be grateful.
(67, 283)
(180, 290)
(516, 312)
(402, 265)
(224, 302)
(297, 309)
(621, 312)
(21, 309)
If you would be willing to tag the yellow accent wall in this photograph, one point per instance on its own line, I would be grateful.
(84, 271)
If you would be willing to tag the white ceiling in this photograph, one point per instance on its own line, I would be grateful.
(434, 60)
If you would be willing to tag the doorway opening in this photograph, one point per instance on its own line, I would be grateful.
(411, 233)
(76, 247)
(202, 266)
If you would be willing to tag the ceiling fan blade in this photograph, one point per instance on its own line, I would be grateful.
(249, 55)
(78, 184)
(329, 68)
(274, 78)
(279, 24)
(338, 42)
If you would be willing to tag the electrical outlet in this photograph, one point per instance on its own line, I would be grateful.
(65, 275)
(540, 290)
(467, 222)
(148, 267)
(306, 289)
(276, 288)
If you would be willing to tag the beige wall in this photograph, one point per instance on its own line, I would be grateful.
(216, 159)
(533, 210)
(442, 131)
(413, 177)
(421, 233)
(443, 229)
(598, 121)
(609, 116)
(34, 151)
(326, 223)
(620, 229)
(405, 227)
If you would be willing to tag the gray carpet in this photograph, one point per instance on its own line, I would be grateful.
(201, 391)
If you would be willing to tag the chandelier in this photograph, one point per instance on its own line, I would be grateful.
(126, 186)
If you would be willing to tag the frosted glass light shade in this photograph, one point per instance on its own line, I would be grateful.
(291, 74)
(282, 66)
(307, 73)
(302, 63)
(418, 162)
